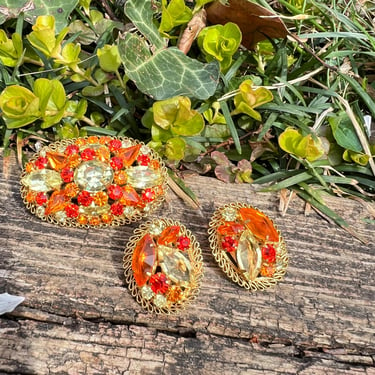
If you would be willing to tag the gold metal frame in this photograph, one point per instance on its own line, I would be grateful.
(230, 268)
(195, 257)
(137, 214)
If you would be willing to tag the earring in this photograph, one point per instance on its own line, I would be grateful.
(247, 246)
(163, 266)
(94, 182)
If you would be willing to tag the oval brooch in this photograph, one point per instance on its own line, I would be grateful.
(94, 181)
(247, 246)
(163, 266)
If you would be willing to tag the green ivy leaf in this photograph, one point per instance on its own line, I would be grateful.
(169, 72)
(140, 12)
(175, 14)
(344, 133)
(60, 9)
(166, 72)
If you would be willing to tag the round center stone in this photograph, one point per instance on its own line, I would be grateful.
(93, 176)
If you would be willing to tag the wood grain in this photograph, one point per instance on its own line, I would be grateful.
(79, 318)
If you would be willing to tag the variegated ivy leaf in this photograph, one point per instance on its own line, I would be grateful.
(60, 9)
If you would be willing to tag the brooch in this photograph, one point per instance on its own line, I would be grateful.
(94, 182)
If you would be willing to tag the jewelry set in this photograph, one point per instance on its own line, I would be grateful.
(107, 181)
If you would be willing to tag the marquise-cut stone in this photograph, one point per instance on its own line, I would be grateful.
(259, 224)
(43, 180)
(143, 177)
(143, 261)
(93, 176)
(174, 264)
(249, 255)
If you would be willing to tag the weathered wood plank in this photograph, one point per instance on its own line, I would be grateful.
(78, 313)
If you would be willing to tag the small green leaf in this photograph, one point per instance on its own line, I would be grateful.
(70, 56)
(344, 133)
(356, 157)
(176, 115)
(109, 58)
(248, 99)
(19, 105)
(159, 134)
(92, 90)
(305, 147)
(220, 42)
(9, 55)
(175, 14)
(175, 148)
(67, 131)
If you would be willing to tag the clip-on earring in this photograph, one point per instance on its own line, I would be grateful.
(94, 182)
(163, 266)
(247, 246)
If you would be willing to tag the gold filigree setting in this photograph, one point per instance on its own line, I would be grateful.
(163, 266)
(94, 182)
(247, 246)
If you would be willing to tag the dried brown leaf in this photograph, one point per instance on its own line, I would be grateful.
(256, 22)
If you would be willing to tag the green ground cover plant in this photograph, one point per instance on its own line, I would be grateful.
(284, 100)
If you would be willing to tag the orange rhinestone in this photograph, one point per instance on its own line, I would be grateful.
(104, 140)
(100, 198)
(120, 177)
(30, 196)
(107, 218)
(267, 271)
(158, 190)
(29, 167)
(95, 220)
(82, 219)
(73, 161)
(56, 202)
(93, 139)
(103, 154)
(71, 190)
(80, 141)
(174, 294)
(154, 164)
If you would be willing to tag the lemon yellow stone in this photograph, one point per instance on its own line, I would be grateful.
(43, 180)
(93, 176)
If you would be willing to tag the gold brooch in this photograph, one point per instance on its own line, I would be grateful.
(94, 181)
(247, 246)
(163, 266)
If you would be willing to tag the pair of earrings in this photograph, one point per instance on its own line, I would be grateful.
(105, 181)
